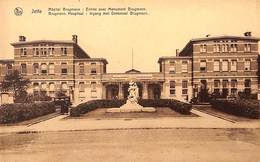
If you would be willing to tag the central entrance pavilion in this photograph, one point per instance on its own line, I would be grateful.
(115, 85)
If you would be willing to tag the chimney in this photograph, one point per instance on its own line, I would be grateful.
(247, 34)
(177, 52)
(22, 38)
(75, 38)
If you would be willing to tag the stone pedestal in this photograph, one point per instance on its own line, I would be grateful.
(131, 107)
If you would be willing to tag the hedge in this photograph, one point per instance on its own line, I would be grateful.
(12, 113)
(240, 107)
(176, 105)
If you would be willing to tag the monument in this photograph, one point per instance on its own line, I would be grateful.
(132, 102)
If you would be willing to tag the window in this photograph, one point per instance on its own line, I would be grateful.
(172, 87)
(233, 65)
(44, 69)
(64, 51)
(35, 68)
(64, 69)
(247, 65)
(64, 86)
(203, 48)
(248, 86)
(247, 48)
(184, 87)
(36, 89)
(81, 87)
(214, 48)
(23, 51)
(203, 66)
(225, 83)
(216, 65)
(50, 51)
(216, 86)
(44, 87)
(41, 51)
(218, 48)
(81, 68)
(37, 53)
(52, 89)
(93, 90)
(93, 64)
(44, 52)
(225, 47)
(172, 67)
(93, 71)
(93, 86)
(225, 88)
(51, 68)
(23, 69)
(225, 65)
(9, 68)
(233, 87)
(184, 66)
(233, 48)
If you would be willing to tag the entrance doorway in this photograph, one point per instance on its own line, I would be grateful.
(203, 94)
(154, 91)
(112, 92)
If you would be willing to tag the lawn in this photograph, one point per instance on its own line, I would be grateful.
(101, 113)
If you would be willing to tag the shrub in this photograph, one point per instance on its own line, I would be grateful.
(12, 113)
(176, 105)
(240, 107)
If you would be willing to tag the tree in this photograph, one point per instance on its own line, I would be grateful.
(17, 84)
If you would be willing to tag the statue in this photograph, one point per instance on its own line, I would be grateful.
(132, 102)
(133, 91)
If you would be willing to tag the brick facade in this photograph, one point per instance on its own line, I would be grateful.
(220, 64)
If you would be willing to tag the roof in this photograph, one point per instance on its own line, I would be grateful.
(225, 37)
(6, 60)
(43, 41)
(133, 71)
(218, 38)
(92, 59)
(50, 41)
(173, 57)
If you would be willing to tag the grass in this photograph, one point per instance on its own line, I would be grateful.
(101, 113)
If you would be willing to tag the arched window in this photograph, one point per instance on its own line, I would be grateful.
(35, 68)
(23, 69)
(44, 68)
(51, 68)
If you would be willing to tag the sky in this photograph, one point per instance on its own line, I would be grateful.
(169, 25)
